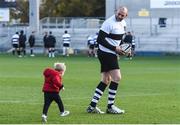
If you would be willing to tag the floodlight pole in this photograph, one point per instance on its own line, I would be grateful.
(34, 15)
(112, 6)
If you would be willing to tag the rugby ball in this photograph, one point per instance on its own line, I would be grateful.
(125, 47)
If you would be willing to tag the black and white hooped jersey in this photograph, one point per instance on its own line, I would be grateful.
(15, 39)
(115, 30)
(66, 38)
(91, 40)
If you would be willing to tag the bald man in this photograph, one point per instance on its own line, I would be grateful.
(109, 39)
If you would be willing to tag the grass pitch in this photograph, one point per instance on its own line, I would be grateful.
(149, 90)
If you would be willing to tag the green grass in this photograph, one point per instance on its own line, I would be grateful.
(149, 90)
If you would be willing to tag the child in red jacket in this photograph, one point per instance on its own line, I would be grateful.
(52, 86)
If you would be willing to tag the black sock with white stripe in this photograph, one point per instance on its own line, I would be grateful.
(98, 93)
(112, 93)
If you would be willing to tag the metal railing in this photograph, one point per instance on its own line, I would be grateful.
(71, 22)
(147, 31)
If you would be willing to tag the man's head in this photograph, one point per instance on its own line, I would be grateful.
(129, 33)
(60, 66)
(33, 32)
(121, 13)
(21, 32)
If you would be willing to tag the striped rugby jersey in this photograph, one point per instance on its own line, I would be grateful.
(66, 38)
(15, 39)
(115, 30)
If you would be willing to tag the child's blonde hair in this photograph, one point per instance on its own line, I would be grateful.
(60, 66)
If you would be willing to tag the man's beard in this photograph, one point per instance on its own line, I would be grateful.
(118, 19)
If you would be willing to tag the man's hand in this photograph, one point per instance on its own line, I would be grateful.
(119, 50)
(129, 53)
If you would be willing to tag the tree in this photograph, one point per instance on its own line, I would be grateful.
(61, 8)
(21, 11)
(73, 8)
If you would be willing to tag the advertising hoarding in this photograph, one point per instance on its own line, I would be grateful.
(164, 3)
(4, 14)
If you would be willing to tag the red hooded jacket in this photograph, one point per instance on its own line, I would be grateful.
(52, 80)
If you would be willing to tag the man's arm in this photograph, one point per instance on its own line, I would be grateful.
(101, 40)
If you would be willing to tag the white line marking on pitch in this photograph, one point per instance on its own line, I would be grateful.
(72, 98)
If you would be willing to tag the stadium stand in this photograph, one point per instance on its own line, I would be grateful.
(149, 36)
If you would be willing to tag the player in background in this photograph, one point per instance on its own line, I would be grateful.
(95, 44)
(51, 44)
(128, 39)
(22, 43)
(45, 41)
(53, 83)
(91, 46)
(31, 41)
(133, 44)
(15, 44)
(66, 38)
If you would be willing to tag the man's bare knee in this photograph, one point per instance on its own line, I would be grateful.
(106, 81)
(117, 79)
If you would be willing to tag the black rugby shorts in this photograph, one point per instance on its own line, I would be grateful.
(66, 45)
(15, 45)
(108, 61)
